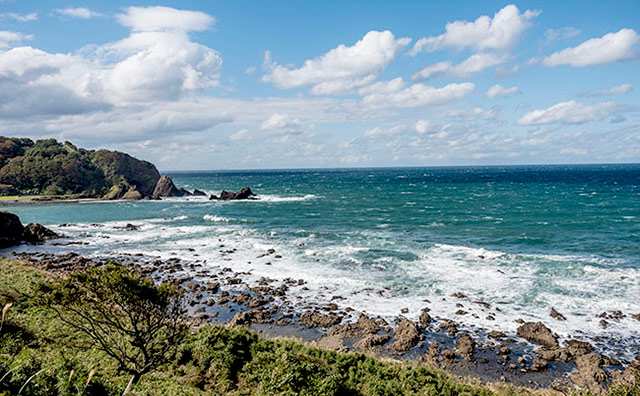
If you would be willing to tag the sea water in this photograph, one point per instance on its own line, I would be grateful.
(521, 238)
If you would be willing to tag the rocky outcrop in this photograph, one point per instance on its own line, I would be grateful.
(590, 374)
(12, 232)
(314, 319)
(198, 193)
(538, 333)
(407, 336)
(37, 233)
(117, 166)
(244, 193)
(133, 195)
(165, 188)
(465, 347)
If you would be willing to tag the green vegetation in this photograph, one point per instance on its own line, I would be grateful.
(42, 353)
(51, 168)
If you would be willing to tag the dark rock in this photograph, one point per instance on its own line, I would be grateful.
(166, 188)
(465, 346)
(539, 333)
(371, 341)
(37, 233)
(498, 335)
(539, 364)
(198, 193)
(406, 337)
(556, 315)
(313, 319)
(425, 318)
(11, 230)
(244, 193)
(450, 326)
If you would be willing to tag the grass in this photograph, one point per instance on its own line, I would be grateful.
(18, 197)
(40, 356)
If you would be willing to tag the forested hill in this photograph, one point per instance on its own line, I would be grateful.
(48, 167)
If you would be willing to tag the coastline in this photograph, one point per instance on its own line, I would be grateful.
(220, 296)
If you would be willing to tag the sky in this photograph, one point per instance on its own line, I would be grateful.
(199, 85)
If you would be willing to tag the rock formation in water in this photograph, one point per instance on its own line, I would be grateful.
(12, 232)
(244, 193)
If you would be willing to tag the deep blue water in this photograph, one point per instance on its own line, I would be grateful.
(529, 236)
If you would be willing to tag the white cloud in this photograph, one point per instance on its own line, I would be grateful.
(473, 64)
(476, 113)
(561, 34)
(500, 91)
(153, 19)
(78, 12)
(423, 126)
(570, 112)
(499, 33)
(243, 134)
(383, 87)
(19, 17)
(418, 95)
(610, 48)
(617, 90)
(7, 38)
(283, 124)
(342, 69)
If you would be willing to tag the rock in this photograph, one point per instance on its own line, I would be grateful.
(450, 326)
(257, 315)
(116, 191)
(371, 341)
(313, 319)
(553, 354)
(406, 337)
(37, 233)
(165, 188)
(459, 295)
(425, 318)
(132, 194)
(465, 346)
(539, 364)
(498, 335)
(244, 193)
(578, 348)
(11, 230)
(198, 193)
(539, 333)
(590, 374)
(556, 315)
(332, 343)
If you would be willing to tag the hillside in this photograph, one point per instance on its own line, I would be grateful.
(48, 167)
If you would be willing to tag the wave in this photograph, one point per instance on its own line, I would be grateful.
(217, 219)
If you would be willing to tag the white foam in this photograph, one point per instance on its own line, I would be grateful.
(215, 218)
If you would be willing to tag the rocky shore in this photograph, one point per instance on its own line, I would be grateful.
(533, 358)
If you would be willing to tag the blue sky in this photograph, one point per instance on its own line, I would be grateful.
(288, 84)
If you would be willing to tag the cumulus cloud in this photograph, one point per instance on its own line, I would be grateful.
(500, 91)
(8, 38)
(19, 17)
(610, 48)
(473, 64)
(474, 114)
(570, 112)
(418, 95)
(78, 12)
(342, 69)
(158, 18)
(383, 87)
(499, 33)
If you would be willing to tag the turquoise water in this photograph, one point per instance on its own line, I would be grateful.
(527, 238)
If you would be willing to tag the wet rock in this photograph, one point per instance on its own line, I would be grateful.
(37, 233)
(556, 315)
(165, 188)
(450, 326)
(448, 354)
(589, 375)
(425, 318)
(497, 335)
(407, 336)
(578, 348)
(539, 364)
(459, 295)
(256, 315)
(244, 193)
(198, 193)
(371, 341)
(314, 319)
(465, 347)
(636, 316)
(538, 333)
(553, 354)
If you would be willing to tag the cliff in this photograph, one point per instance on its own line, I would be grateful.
(48, 167)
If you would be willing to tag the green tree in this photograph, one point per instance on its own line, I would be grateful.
(123, 313)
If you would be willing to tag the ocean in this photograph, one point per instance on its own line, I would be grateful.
(522, 238)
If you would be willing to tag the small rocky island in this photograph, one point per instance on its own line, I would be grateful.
(13, 233)
(244, 194)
